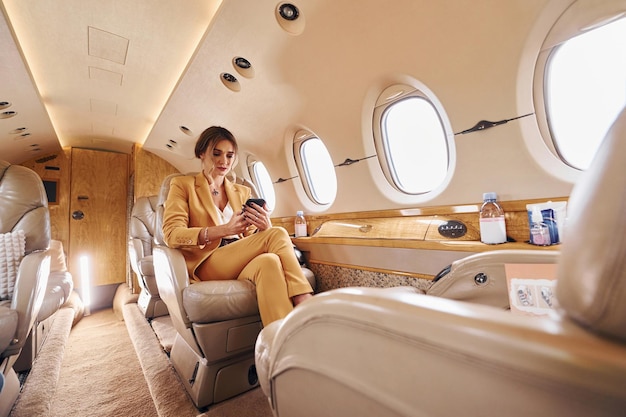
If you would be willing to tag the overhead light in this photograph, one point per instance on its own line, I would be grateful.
(7, 114)
(290, 18)
(288, 11)
(230, 81)
(242, 63)
(185, 130)
(243, 67)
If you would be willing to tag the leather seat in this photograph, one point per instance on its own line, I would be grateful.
(217, 323)
(142, 223)
(24, 219)
(374, 352)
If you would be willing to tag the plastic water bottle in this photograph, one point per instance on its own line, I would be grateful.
(492, 225)
(300, 224)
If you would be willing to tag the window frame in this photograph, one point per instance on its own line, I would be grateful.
(300, 139)
(391, 96)
(572, 23)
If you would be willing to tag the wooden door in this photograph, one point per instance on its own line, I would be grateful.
(98, 212)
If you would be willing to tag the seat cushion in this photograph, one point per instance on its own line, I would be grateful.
(211, 301)
(11, 253)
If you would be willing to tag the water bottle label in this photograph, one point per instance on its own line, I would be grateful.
(492, 230)
(301, 230)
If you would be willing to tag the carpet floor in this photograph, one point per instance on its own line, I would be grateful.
(106, 366)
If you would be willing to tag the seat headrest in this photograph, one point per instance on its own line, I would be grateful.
(158, 224)
(142, 221)
(591, 286)
(24, 205)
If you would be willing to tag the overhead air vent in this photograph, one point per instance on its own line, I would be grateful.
(290, 18)
(18, 130)
(7, 114)
(288, 11)
(4, 104)
(230, 81)
(185, 130)
(243, 67)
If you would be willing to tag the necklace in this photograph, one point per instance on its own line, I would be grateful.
(215, 192)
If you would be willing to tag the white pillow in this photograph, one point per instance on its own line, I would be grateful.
(11, 253)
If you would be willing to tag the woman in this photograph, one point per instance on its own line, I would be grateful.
(204, 218)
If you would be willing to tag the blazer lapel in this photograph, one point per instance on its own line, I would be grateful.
(204, 195)
(234, 196)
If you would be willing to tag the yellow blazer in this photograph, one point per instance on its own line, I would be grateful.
(189, 208)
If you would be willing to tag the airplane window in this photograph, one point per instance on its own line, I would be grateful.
(316, 168)
(413, 140)
(585, 89)
(263, 182)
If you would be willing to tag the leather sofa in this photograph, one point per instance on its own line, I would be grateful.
(379, 352)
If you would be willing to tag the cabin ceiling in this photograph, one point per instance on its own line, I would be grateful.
(109, 74)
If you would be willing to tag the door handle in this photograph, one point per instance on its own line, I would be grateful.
(78, 215)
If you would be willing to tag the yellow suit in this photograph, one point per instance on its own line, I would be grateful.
(265, 258)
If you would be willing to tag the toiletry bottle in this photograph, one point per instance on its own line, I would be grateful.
(539, 231)
(300, 224)
(492, 224)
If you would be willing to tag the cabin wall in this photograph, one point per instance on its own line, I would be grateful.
(146, 174)
(56, 166)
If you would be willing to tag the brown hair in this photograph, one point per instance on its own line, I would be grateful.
(209, 139)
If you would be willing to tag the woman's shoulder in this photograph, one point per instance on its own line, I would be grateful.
(188, 179)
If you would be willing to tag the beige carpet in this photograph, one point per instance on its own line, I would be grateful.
(95, 369)
(99, 374)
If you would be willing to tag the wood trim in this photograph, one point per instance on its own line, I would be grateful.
(417, 227)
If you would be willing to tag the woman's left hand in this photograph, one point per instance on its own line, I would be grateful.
(257, 216)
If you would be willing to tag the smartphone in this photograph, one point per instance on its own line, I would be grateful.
(259, 201)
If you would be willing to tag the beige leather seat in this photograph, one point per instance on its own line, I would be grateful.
(24, 220)
(217, 323)
(142, 223)
(374, 352)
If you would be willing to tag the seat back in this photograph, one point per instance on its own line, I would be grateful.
(24, 207)
(141, 231)
(591, 286)
(142, 224)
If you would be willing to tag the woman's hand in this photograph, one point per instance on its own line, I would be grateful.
(257, 216)
(237, 224)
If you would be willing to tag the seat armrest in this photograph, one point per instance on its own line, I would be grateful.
(172, 278)
(30, 287)
(481, 278)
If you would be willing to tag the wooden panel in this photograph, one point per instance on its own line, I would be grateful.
(515, 213)
(99, 189)
(376, 228)
(149, 171)
(56, 166)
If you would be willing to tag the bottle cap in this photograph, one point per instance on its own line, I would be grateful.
(300, 213)
(490, 196)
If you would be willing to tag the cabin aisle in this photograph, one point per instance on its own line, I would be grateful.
(100, 374)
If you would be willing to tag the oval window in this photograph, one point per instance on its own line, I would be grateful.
(263, 181)
(316, 168)
(412, 138)
(585, 89)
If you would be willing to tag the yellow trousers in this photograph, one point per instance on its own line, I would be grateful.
(268, 260)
